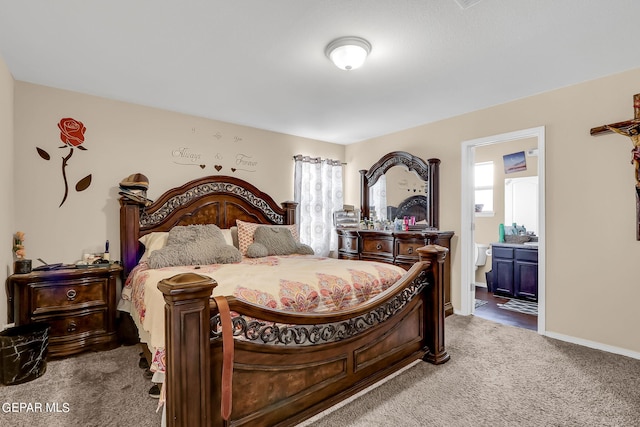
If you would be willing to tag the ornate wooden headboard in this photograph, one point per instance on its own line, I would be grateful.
(218, 200)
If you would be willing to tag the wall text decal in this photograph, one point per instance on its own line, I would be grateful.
(245, 163)
(185, 156)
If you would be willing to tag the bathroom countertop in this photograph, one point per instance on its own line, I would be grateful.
(515, 245)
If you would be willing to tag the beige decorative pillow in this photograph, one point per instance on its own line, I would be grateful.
(246, 230)
(226, 232)
(153, 241)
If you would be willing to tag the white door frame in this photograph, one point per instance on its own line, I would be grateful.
(467, 277)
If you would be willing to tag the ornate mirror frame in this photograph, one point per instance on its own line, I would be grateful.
(428, 171)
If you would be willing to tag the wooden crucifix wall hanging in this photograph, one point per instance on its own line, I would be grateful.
(631, 129)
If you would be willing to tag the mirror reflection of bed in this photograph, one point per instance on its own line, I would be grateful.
(397, 188)
(413, 207)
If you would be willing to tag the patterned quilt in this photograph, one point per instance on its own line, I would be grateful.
(294, 283)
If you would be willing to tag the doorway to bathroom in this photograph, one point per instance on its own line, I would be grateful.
(485, 206)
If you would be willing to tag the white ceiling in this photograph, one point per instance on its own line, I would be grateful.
(261, 63)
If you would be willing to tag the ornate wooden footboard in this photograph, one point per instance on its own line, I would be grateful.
(288, 367)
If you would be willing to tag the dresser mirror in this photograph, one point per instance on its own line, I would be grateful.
(401, 184)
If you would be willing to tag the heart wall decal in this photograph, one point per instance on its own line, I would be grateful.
(233, 169)
(218, 167)
(202, 166)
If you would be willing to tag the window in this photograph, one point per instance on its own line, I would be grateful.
(318, 191)
(483, 182)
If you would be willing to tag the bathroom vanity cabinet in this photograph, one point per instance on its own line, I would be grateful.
(515, 270)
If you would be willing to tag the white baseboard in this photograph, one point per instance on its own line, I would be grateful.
(594, 345)
(586, 343)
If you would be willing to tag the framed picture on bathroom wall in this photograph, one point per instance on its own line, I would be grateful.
(514, 162)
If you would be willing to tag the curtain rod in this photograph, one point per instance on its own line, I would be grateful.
(301, 158)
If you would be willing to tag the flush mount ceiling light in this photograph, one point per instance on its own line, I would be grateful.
(348, 53)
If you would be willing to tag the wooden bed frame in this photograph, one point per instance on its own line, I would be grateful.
(287, 367)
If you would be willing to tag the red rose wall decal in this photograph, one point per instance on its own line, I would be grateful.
(72, 135)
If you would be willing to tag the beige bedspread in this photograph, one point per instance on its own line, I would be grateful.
(295, 283)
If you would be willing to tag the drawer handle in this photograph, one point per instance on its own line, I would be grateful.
(379, 246)
(348, 245)
(410, 250)
(71, 327)
(71, 294)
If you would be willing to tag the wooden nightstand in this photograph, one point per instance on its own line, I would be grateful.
(78, 303)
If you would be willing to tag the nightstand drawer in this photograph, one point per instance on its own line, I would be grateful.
(82, 323)
(68, 295)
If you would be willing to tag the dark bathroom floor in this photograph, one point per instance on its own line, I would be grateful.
(491, 311)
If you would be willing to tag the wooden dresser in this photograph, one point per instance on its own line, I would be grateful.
(395, 247)
(78, 303)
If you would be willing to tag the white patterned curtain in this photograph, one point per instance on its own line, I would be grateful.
(318, 191)
(378, 199)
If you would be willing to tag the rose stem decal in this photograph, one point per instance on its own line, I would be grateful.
(72, 134)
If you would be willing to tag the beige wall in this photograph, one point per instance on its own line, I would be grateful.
(6, 181)
(121, 139)
(592, 286)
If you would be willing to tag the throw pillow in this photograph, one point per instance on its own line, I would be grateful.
(275, 241)
(152, 242)
(246, 230)
(194, 245)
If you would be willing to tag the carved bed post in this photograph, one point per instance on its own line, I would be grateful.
(188, 350)
(129, 233)
(434, 318)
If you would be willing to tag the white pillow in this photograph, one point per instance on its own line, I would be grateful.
(228, 238)
(152, 242)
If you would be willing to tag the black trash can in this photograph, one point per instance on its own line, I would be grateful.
(489, 276)
(23, 352)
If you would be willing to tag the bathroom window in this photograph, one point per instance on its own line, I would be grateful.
(483, 183)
